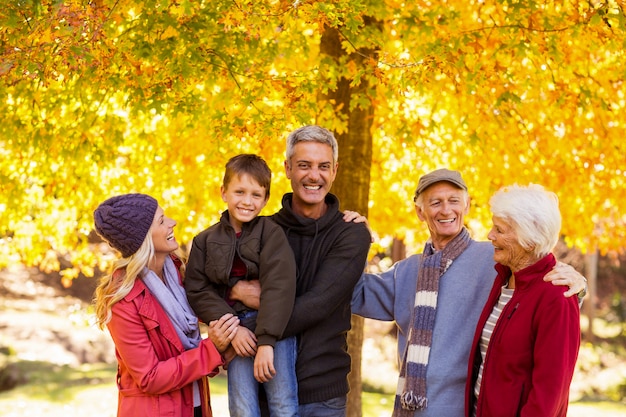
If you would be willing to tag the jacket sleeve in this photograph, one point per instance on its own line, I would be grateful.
(554, 357)
(334, 281)
(277, 276)
(142, 344)
(203, 295)
(374, 295)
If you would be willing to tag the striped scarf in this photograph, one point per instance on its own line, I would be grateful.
(411, 393)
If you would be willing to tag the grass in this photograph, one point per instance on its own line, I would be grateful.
(53, 390)
(61, 391)
(381, 405)
(376, 405)
(56, 391)
(56, 383)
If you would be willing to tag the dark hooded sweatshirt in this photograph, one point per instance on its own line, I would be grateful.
(330, 257)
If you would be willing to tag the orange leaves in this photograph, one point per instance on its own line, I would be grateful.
(110, 97)
(525, 103)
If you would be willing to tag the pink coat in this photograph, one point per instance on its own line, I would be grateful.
(155, 373)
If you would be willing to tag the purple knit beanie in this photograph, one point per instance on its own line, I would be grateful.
(124, 220)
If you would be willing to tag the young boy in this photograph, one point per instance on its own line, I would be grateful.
(244, 246)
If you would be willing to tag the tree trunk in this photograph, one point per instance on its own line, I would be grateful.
(398, 250)
(591, 272)
(353, 179)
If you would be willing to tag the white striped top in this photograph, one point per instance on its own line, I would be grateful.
(505, 296)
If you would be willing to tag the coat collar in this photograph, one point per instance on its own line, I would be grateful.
(530, 274)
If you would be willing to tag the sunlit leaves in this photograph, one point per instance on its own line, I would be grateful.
(105, 97)
(519, 99)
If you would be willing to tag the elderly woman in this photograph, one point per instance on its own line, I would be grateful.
(527, 339)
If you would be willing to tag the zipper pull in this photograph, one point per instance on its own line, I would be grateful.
(511, 313)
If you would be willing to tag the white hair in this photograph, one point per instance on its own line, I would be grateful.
(534, 214)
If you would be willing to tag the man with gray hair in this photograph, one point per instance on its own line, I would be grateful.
(330, 256)
(435, 299)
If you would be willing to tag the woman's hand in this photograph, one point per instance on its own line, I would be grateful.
(223, 331)
(244, 342)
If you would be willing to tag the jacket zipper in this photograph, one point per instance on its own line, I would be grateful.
(497, 331)
(502, 324)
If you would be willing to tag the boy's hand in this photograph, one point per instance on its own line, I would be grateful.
(244, 342)
(228, 356)
(264, 364)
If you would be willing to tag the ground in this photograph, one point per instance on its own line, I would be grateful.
(51, 328)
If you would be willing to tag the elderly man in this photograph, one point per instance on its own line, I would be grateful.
(436, 298)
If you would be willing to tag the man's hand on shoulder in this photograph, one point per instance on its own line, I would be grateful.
(355, 217)
(564, 274)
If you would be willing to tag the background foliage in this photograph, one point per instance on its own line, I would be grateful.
(102, 97)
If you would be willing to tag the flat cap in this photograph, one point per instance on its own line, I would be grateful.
(439, 175)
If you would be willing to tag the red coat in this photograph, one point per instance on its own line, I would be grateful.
(532, 353)
(155, 373)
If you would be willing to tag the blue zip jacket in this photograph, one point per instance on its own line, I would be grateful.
(463, 291)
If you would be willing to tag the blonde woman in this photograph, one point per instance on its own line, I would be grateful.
(162, 360)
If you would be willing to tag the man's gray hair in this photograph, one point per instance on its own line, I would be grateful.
(312, 133)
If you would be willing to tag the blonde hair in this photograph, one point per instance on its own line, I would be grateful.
(117, 284)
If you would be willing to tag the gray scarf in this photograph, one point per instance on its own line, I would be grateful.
(171, 295)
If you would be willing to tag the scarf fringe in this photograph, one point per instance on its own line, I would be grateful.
(413, 402)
